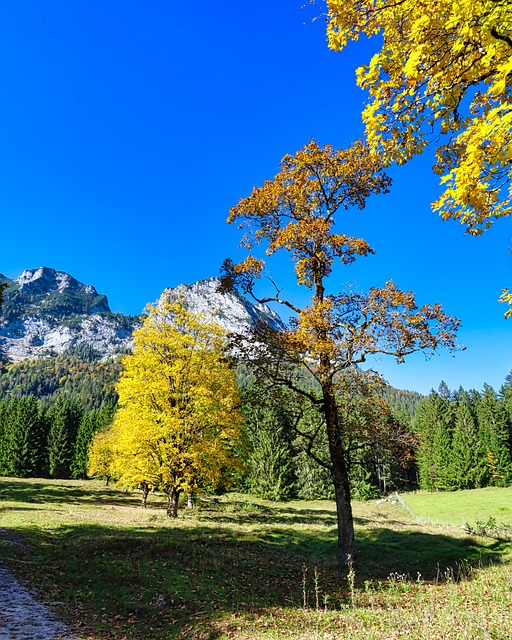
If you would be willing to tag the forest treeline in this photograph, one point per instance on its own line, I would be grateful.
(41, 440)
(465, 438)
(80, 377)
(51, 408)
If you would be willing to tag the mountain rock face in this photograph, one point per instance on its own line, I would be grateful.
(47, 312)
(232, 311)
(45, 291)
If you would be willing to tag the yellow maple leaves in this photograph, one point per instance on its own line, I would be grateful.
(326, 339)
(178, 411)
(444, 67)
(295, 211)
(506, 297)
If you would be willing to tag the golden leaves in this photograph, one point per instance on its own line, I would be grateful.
(434, 54)
(506, 297)
(295, 211)
(178, 402)
(339, 331)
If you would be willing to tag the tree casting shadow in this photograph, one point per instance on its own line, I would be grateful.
(130, 579)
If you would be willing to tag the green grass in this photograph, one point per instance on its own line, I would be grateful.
(460, 507)
(247, 568)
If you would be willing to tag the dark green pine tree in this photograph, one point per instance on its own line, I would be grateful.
(433, 425)
(24, 439)
(269, 461)
(271, 472)
(64, 420)
(494, 438)
(467, 468)
(506, 403)
(90, 423)
(3, 437)
(312, 463)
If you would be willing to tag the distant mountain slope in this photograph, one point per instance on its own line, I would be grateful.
(403, 403)
(47, 292)
(48, 312)
(55, 330)
(90, 383)
(231, 311)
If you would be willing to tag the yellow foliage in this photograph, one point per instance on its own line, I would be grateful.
(506, 297)
(101, 455)
(178, 412)
(295, 212)
(444, 67)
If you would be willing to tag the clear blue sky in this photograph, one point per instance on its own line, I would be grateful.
(128, 129)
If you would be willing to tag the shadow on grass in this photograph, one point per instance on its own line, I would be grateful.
(411, 553)
(164, 579)
(172, 582)
(248, 513)
(42, 492)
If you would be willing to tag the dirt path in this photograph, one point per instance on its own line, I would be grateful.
(23, 618)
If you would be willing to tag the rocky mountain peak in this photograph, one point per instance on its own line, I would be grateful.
(48, 312)
(50, 292)
(46, 280)
(231, 310)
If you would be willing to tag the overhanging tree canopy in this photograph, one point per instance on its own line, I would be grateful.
(444, 75)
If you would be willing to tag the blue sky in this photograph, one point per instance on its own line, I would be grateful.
(127, 130)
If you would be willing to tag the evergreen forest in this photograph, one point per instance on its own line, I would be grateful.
(51, 408)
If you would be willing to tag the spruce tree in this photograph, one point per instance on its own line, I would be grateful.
(271, 475)
(494, 438)
(467, 470)
(442, 453)
(433, 425)
(269, 456)
(313, 477)
(90, 423)
(506, 403)
(22, 447)
(3, 436)
(64, 418)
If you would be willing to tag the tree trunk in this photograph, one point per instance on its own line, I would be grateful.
(190, 503)
(346, 539)
(172, 503)
(145, 491)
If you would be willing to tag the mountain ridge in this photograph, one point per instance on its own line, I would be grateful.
(48, 312)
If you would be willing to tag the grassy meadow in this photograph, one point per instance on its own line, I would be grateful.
(247, 568)
(461, 507)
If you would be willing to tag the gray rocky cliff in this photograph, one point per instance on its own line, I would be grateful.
(48, 312)
(232, 311)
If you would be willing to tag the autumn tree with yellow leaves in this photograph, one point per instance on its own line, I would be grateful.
(178, 417)
(101, 455)
(328, 338)
(443, 74)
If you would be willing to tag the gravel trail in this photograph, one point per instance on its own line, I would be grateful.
(23, 618)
